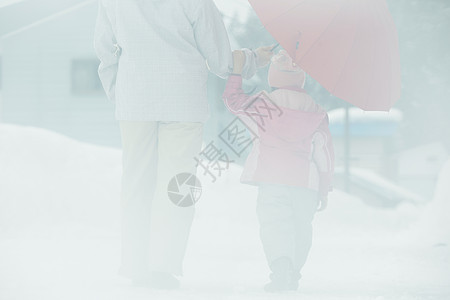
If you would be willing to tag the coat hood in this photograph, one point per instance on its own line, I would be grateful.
(294, 127)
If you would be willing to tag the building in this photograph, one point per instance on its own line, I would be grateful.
(49, 69)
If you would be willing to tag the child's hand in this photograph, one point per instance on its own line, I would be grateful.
(264, 55)
(238, 61)
(323, 203)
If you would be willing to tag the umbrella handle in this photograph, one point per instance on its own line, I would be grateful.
(297, 45)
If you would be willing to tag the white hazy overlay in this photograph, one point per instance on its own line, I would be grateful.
(60, 234)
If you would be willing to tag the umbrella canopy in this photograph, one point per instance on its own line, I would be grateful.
(349, 46)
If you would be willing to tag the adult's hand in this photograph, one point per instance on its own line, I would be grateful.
(264, 55)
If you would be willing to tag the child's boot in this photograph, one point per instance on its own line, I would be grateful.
(283, 277)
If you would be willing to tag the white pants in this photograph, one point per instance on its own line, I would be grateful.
(154, 230)
(285, 214)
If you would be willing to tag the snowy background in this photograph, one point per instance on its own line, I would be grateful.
(59, 235)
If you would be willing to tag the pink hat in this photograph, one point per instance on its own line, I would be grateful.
(283, 72)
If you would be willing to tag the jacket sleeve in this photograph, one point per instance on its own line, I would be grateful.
(212, 38)
(107, 51)
(213, 43)
(250, 67)
(239, 103)
(323, 156)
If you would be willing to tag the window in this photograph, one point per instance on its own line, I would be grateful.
(85, 80)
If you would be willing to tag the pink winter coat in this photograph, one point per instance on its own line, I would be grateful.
(293, 147)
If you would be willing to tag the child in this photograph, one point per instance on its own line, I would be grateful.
(291, 162)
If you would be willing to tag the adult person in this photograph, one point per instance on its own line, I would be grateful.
(154, 61)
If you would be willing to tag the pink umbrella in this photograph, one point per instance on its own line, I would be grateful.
(348, 46)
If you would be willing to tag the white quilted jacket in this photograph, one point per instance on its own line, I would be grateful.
(153, 57)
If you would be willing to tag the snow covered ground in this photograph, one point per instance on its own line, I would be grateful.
(59, 235)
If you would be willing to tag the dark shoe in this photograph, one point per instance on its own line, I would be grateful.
(158, 280)
(283, 277)
(293, 282)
